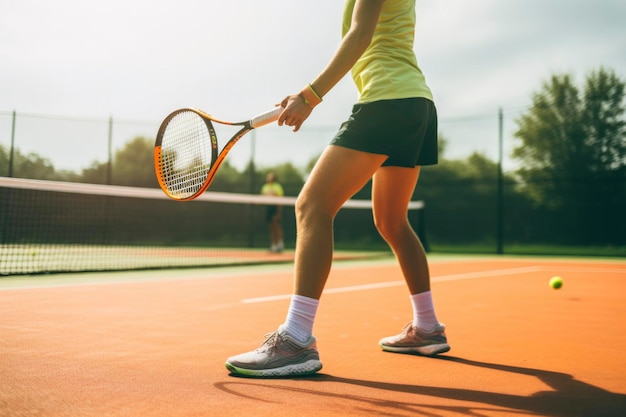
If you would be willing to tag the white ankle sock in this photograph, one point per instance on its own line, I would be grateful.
(424, 317)
(300, 317)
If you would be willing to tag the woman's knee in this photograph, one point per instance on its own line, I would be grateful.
(392, 228)
(309, 209)
(301, 207)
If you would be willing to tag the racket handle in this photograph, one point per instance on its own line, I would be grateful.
(266, 118)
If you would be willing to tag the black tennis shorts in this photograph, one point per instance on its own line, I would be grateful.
(403, 129)
(270, 213)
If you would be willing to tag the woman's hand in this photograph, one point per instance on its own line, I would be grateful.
(295, 113)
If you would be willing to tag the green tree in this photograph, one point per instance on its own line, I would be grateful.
(29, 165)
(229, 179)
(133, 165)
(460, 197)
(573, 150)
(4, 161)
(96, 173)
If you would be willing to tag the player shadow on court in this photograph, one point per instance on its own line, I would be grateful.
(569, 397)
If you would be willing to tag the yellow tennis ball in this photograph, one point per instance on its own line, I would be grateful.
(556, 282)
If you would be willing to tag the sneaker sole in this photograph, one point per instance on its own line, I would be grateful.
(430, 350)
(300, 369)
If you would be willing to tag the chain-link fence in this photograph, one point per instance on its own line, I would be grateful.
(474, 199)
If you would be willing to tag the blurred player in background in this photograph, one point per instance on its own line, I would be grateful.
(274, 213)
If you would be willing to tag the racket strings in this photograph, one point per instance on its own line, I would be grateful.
(186, 154)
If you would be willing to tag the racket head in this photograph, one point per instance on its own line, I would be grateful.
(184, 154)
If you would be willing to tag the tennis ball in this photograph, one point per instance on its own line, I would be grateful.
(556, 282)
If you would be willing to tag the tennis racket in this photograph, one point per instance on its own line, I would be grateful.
(186, 156)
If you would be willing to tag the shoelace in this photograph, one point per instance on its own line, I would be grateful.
(270, 342)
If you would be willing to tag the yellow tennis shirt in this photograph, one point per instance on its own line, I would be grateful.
(273, 188)
(388, 68)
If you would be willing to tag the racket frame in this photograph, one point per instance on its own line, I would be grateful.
(216, 158)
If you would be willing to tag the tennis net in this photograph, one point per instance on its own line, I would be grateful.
(49, 226)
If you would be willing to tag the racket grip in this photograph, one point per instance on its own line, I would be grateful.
(266, 118)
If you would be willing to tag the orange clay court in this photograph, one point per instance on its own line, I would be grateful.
(153, 343)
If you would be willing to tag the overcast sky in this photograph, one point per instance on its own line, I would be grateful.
(140, 59)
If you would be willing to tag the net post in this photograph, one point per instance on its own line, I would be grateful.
(109, 174)
(12, 150)
(500, 191)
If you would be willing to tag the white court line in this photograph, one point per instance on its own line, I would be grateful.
(589, 270)
(442, 278)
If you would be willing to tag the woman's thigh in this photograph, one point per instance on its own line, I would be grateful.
(338, 175)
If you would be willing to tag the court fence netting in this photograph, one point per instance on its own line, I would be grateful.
(51, 226)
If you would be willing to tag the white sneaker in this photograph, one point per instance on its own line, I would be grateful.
(279, 356)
